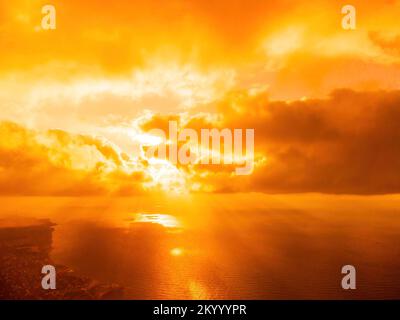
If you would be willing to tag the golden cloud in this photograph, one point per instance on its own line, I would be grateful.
(58, 163)
(347, 143)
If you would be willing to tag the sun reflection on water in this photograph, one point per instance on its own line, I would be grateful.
(165, 220)
(176, 252)
(197, 290)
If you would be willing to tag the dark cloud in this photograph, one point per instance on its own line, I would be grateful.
(348, 143)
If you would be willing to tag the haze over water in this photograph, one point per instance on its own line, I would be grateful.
(213, 248)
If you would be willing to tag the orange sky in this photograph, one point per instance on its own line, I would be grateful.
(322, 100)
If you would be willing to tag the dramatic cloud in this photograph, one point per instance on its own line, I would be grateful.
(273, 43)
(57, 163)
(345, 144)
(77, 101)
